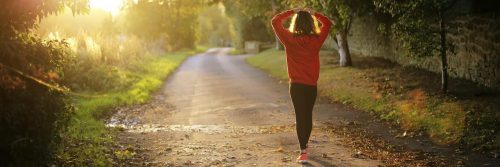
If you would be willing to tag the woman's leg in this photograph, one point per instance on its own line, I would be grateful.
(303, 99)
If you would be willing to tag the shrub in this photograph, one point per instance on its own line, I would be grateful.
(31, 112)
(86, 75)
(100, 63)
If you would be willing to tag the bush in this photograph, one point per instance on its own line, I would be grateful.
(96, 77)
(29, 125)
(31, 114)
(100, 63)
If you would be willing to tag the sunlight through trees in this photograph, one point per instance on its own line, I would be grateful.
(65, 64)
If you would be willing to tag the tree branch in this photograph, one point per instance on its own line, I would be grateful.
(349, 23)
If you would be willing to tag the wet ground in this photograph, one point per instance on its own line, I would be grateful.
(216, 110)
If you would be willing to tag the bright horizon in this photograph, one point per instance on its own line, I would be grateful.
(111, 6)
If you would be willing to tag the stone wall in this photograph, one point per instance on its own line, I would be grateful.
(477, 46)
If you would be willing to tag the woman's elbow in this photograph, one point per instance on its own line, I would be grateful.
(275, 22)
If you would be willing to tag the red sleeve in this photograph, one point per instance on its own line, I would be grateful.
(326, 26)
(277, 23)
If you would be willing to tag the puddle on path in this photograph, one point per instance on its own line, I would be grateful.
(132, 123)
(208, 129)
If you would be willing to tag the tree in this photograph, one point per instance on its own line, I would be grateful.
(214, 26)
(342, 12)
(421, 27)
(31, 113)
(17, 18)
(249, 17)
(171, 20)
(20, 16)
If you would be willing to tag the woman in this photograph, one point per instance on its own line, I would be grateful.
(302, 43)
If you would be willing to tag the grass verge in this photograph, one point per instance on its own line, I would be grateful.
(407, 97)
(235, 51)
(86, 141)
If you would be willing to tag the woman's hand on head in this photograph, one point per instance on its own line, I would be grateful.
(311, 11)
(296, 10)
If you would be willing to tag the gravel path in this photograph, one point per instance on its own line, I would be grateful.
(216, 110)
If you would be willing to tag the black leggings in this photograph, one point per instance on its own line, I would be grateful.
(303, 99)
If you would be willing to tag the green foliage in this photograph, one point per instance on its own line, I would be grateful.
(30, 126)
(31, 114)
(252, 9)
(20, 16)
(37, 120)
(235, 51)
(253, 31)
(272, 61)
(86, 75)
(482, 129)
(214, 27)
(422, 28)
(416, 24)
(33, 56)
(66, 24)
(98, 49)
(342, 12)
(87, 141)
(238, 21)
(248, 19)
(123, 155)
(171, 21)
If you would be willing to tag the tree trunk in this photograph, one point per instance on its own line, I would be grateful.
(274, 6)
(343, 48)
(444, 73)
(278, 44)
(444, 60)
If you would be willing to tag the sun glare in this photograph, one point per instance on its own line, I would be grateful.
(111, 6)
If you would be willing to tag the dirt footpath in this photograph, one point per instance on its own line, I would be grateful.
(216, 110)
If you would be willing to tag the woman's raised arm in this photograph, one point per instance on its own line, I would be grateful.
(277, 23)
(326, 25)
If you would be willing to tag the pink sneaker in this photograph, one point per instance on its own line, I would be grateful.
(303, 157)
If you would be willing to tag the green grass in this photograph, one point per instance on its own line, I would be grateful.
(272, 61)
(404, 96)
(86, 141)
(235, 51)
